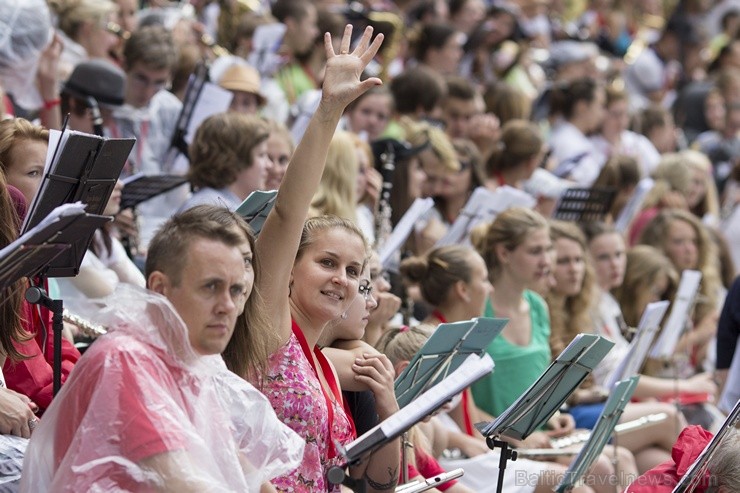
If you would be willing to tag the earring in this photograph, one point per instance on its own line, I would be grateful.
(344, 316)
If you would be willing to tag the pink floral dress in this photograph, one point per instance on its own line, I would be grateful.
(294, 390)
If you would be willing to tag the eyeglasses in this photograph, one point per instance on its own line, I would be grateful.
(366, 290)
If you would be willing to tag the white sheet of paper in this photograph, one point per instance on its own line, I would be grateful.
(646, 330)
(471, 370)
(211, 100)
(731, 393)
(483, 206)
(673, 328)
(403, 229)
(633, 205)
(266, 41)
(74, 209)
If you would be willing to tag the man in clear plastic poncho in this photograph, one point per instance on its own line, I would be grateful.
(151, 406)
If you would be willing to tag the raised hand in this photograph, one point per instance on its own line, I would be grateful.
(342, 83)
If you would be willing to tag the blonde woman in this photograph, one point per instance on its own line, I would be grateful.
(83, 26)
(337, 193)
(702, 196)
(23, 148)
(686, 242)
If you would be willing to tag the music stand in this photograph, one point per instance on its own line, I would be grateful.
(443, 353)
(584, 204)
(473, 369)
(698, 469)
(256, 208)
(613, 409)
(37, 252)
(540, 401)
(646, 330)
(139, 188)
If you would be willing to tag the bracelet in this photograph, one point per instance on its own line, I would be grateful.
(52, 103)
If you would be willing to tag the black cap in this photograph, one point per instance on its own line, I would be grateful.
(401, 150)
(99, 79)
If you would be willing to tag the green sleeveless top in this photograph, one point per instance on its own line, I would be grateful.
(517, 367)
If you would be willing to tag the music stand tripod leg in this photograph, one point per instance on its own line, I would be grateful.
(506, 454)
(37, 295)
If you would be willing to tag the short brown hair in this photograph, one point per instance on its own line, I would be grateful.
(222, 147)
(168, 248)
(436, 272)
(153, 46)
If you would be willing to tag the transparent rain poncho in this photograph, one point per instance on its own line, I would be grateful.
(25, 31)
(143, 412)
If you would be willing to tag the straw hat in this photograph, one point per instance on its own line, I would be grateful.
(243, 78)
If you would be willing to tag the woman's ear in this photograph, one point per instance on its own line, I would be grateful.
(400, 366)
(502, 253)
(461, 290)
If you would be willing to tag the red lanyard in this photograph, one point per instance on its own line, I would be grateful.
(328, 376)
(438, 315)
(465, 396)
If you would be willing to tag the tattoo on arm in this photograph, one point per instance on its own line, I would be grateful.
(391, 484)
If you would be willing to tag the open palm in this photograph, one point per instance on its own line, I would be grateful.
(342, 82)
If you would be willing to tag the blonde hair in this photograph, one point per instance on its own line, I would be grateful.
(401, 344)
(698, 161)
(671, 175)
(12, 132)
(509, 229)
(419, 133)
(72, 14)
(336, 194)
(644, 265)
(315, 225)
(438, 270)
(574, 316)
(656, 233)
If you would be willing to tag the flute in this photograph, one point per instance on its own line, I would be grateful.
(427, 484)
(581, 437)
(86, 327)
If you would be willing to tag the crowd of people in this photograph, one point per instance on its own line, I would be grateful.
(241, 361)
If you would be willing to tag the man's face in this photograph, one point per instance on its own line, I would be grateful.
(301, 34)
(143, 82)
(213, 288)
(457, 115)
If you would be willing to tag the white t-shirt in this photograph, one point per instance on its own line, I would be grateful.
(575, 154)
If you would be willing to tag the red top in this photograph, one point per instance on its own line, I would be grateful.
(664, 477)
(34, 376)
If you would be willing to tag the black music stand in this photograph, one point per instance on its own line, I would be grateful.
(38, 252)
(584, 204)
(696, 472)
(178, 144)
(139, 188)
(473, 369)
(540, 401)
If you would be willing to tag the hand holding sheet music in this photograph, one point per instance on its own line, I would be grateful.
(469, 372)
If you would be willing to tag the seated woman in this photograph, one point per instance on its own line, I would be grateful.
(22, 155)
(313, 273)
(17, 418)
(684, 240)
(518, 253)
(228, 160)
(573, 302)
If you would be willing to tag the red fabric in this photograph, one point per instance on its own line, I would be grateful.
(428, 467)
(642, 220)
(34, 377)
(9, 110)
(665, 476)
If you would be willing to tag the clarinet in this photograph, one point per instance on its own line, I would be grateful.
(383, 224)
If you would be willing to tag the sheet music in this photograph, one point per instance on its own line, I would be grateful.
(211, 100)
(266, 41)
(75, 209)
(687, 288)
(646, 330)
(731, 392)
(470, 371)
(403, 229)
(633, 204)
(483, 206)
